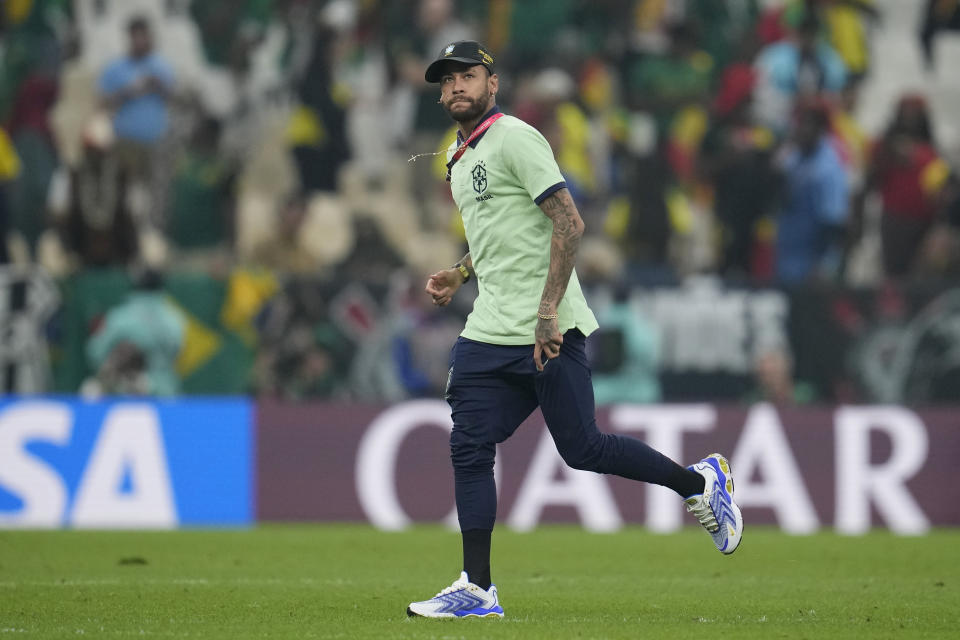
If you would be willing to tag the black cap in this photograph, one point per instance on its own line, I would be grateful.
(466, 51)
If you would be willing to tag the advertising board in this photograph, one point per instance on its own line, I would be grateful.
(125, 463)
(850, 467)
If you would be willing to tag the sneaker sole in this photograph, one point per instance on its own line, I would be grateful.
(725, 467)
(450, 616)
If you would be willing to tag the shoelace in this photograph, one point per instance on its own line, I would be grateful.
(456, 586)
(705, 515)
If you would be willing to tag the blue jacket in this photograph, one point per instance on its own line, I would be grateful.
(817, 198)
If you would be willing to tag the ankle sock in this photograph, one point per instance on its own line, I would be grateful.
(686, 482)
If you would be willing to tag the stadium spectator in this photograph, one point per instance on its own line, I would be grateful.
(228, 27)
(772, 24)
(667, 85)
(853, 142)
(530, 33)
(599, 94)
(811, 231)
(729, 29)
(909, 175)
(135, 349)
(625, 356)
(736, 160)
(309, 234)
(800, 66)
(548, 103)
(668, 94)
(284, 251)
(374, 258)
(31, 61)
(31, 44)
(136, 89)
(94, 216)
(941, 15)
(78, 101)
(201, 205)
(317, 130)
(29, 128)
(9, 170)
(644, 232)
(848, 24)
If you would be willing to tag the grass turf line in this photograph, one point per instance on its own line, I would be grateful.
(349, 581)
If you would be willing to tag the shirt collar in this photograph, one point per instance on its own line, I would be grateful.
(473, 144)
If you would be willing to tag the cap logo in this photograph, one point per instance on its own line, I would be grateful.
(487, 58)
(448, 50)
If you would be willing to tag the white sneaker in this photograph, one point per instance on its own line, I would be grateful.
(460, 600)
(715, 508)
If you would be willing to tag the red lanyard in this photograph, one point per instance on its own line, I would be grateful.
(462, 149)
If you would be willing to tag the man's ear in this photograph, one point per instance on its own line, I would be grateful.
(493, 84)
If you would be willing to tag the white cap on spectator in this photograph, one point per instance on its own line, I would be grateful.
(553, 84)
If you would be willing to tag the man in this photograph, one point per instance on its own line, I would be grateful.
(135, 349)
(136, 88)
(523, 230)
(800, 66)
(811, 225)
(736, 159)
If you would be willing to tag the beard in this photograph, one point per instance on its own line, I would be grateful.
(475, 109)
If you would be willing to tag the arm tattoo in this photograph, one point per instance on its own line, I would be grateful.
(564, 242)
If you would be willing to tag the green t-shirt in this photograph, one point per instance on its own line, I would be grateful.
(497, 185)
(201, 191)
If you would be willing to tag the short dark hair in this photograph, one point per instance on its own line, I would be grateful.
(138, 23)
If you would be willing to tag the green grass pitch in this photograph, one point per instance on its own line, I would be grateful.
(349, 581)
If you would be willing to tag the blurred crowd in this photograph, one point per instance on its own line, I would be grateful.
(273, 136)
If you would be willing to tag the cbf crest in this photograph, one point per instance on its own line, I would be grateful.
(479, 175)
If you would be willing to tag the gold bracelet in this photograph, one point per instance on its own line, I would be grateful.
(548, 316)
(463, 271)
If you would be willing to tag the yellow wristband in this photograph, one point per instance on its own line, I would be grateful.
(463, 271)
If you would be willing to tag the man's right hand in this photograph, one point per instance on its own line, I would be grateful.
(442, 285)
